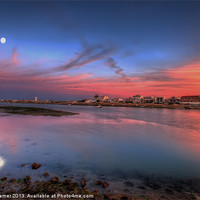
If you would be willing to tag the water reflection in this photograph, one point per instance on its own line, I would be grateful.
(143, 140)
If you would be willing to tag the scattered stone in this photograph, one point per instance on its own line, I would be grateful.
(116, 197)
(107, 196)
(153, 185)
(169, 191)
(98, 183)
(141, 187)
(32, 191)
(55, 179)
(96, 191)
(83, 182)
(4, 178)
(66, 182)
(36, 165)
(46, 174)
(23, 165)
(145, 197)
(27, 179)
(73, 186)
(12, 180)
(129, 184)
(50, 191)
(105, 184)
(124, 197)
(11, 191)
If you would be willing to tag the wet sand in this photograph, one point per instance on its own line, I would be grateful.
(34, 111)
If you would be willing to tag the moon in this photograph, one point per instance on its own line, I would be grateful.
(3, 40)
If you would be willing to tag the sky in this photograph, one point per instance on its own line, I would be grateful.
(68, 50)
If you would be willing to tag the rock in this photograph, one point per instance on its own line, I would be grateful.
(96, 191)
(27, 179)
(36, 165)
(83, 182)
(107, 196)
(12, 180)
(66, 182)
(55, 179)
(124, 197)
(32, 191)
(74, 184)
(46, 174)
(98, 183)
(105, 184)
(50, 191)
(10, 191)
(23, 165)
(4, 178)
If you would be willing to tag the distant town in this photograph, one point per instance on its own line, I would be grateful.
(187, 102)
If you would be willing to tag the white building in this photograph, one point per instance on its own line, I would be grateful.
(103, 98)
(173, 100)
(137, 99)
(149, 99)
(190, 100)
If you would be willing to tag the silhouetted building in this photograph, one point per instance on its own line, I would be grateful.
(160, 100)
(190, 99)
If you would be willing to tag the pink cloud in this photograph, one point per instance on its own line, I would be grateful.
(14, 75)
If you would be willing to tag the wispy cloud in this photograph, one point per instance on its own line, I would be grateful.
(89, 54)
(112, 64)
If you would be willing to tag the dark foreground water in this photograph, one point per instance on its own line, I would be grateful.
(111, 142)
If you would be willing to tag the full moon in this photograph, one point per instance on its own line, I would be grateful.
(3, 40)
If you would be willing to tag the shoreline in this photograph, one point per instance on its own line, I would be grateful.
(146, 105)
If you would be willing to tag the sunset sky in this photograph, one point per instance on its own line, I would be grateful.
(76, 49)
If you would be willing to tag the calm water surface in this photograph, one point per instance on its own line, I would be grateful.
(102, 141)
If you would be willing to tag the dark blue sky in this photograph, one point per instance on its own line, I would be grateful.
(142, 37)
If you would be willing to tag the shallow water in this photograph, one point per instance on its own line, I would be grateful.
(112, 141)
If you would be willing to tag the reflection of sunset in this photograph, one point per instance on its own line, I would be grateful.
(112, 133)
(187, 131)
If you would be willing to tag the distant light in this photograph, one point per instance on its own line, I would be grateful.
(3, 40)
(2, 162)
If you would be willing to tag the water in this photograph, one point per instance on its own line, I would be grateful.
(98, 143)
